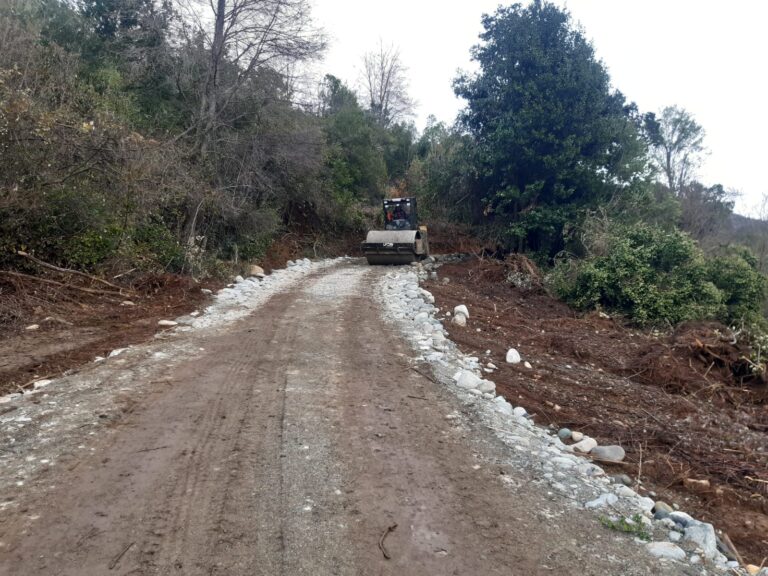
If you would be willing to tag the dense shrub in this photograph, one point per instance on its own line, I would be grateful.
(655, 276)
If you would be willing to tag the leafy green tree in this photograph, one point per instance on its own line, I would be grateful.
(356, 162)
(552, 136)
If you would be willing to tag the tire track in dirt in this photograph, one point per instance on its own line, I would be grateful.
(288, 447)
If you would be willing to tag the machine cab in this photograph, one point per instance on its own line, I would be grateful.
(400, 214)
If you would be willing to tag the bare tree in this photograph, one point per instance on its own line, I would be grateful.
(385, 85)
(244, 36)
(677, 144)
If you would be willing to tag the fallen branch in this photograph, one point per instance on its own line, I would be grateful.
(67, 270)
(54, 283)
(384, 537)
(117, 558)
(729, 543)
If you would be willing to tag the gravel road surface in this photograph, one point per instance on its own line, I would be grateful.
(297, 440)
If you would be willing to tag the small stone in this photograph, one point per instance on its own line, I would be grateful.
(421, 317)
(695, 559)
(674, 536)
(609, 453)
(605, 499)
(167, 323)
(486, 386)
(577, 436)
(661, 510)
(459, 320)
(622, 479)
(681, 518)
(625, 491)
(32, 327)
(127, 303)
(513, 356)
(239, 279)
(520, 412)
(467, 380)
(206, 291)
(461, 309)
(564, 433)
(752, 570)
(527, 365)
(666, 550)
(586, 445)
(255, 270)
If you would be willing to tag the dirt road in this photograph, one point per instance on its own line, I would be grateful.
(290, 445)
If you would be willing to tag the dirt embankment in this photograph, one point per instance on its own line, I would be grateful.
(680, 404)
(78, 319)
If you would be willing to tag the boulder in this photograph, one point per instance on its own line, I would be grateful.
(513, 356)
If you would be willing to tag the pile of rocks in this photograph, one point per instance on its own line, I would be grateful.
(562, 468)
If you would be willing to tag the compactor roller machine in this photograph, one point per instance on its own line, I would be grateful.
(402, 241)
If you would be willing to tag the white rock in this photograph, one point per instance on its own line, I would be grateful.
(421, 317)
(459, 320)
(527, 364)
(461, 309)
(167, 323)
(625, 491)
(468, 380)
(703, 535)
(502, 405)
(127, 303)
(255, 270)
(666, 550)
(513, 356)
(239, 279)
(646, 504)
(33, 327)
(585, 445)
(519, 411)
(206, 291)
(116, 352)
(674, 536)
(577, 436)
(563, 462)
(486, 386)
(42, 383)
(605, 499)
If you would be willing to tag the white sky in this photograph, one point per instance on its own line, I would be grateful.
(708, 57)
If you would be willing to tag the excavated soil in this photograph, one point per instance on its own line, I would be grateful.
(680, 404)
(76, 326)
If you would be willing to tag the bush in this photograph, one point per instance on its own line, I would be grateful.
(648, 274)
(742, 285)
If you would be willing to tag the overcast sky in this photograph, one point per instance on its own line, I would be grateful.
(708, 57)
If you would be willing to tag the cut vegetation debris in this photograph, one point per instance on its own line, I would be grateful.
(683, 406)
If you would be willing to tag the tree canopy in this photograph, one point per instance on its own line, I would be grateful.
(551, 134)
